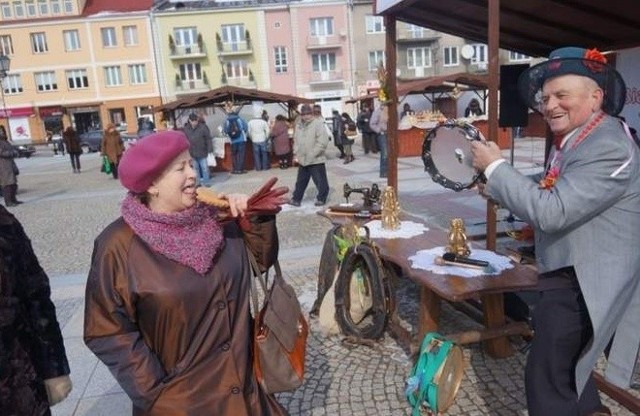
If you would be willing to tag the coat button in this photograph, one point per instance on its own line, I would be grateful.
(221, 305)
(225, 346)
(235, 390)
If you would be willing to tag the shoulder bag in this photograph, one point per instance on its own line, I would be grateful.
(279, 334)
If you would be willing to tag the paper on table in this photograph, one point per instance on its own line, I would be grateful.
(424, 259)
(407, 229)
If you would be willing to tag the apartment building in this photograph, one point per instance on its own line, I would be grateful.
(85, 64)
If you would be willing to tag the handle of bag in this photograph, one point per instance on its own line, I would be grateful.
(255, 271)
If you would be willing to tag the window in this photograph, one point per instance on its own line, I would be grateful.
(237, 69)
(480, 54)
(451, 56)
(46, 81)
(112, 76)
(39, 43)
(6, 46)
(280, 53)
(55, 7)
(374, 24)
(322, 26)
(71, 40)
(518, 57)
(31, 8)
(415, 32)
(190, 72)
(130, 35)
(185, 36)
(375, 59)
(77, 79)
(43, 7)
(233, 35)
(12, 84)
(6, 10)
(418, 58)
(137, 74)
(18, 9)
(108, 37)
(323, 62)
(68, 6)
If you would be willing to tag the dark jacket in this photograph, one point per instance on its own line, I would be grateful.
(72, 141)
(7, 164)
(200, 143)
(31, 347)
(363, 122)
(281, 140)
(177, 342)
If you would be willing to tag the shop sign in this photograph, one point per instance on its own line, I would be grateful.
(16, 112)
(51, 111)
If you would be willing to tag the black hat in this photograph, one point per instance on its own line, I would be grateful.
(193, 117)
(588, 63)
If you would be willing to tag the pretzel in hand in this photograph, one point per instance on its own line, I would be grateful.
(209, 197)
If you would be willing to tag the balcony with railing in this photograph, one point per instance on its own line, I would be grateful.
(191, 86)
(325, 42)
(412, 35)
(187, 51)
(326, 77)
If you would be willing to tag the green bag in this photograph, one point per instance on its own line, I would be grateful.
(436, 376)
(106, 165)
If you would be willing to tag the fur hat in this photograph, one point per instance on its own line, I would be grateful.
(305, 109)
(588, 63)
(145, 160)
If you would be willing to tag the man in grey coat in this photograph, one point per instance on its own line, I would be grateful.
(200, 145)
(585, 210)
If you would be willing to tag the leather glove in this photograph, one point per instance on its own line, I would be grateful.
(265, 201)
(58, 389)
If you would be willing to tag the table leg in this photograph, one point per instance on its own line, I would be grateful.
(493, 310)
(429, 312)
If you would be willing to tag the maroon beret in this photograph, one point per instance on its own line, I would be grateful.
(145, 160)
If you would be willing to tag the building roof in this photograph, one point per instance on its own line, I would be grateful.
(532, 27)
(117, 6)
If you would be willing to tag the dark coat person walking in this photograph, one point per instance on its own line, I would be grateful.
(281, 141)
(34, 371)
(8, 172)
(72, 143)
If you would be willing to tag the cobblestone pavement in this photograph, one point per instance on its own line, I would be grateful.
(63, 212)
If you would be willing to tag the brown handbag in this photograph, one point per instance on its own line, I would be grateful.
(279, 334)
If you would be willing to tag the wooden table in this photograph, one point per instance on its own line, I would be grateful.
(437, 287)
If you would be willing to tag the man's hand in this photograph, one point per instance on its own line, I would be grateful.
(484, 153)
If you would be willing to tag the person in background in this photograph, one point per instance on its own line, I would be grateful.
(281, 141)
(349, 130)
(145, 127)
(8, 172)
(309, 146)
(258, 131)
(34, 370)
(112, 147)
(378, 123)
(406, 110)
(368, 136)
(200, 145)
(473, 109)
(72, 143)
(167, 305)
(585, 211)
(236, 129)
(317, 113)
(265, 116)
(337, 130)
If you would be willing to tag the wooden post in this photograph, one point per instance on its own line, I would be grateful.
(392, 125)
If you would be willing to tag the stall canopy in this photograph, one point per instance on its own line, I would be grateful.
(235, 94)
(532, 27)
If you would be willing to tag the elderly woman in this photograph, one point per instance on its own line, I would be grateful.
(167, 298)
(8, 171)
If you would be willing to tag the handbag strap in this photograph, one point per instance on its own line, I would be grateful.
(262, 280)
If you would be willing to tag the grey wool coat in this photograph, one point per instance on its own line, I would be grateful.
(590, 220)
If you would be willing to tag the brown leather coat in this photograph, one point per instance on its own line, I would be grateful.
(177, 342)
(112, 146)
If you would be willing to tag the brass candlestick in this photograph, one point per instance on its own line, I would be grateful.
(458, 238)
(390, 208)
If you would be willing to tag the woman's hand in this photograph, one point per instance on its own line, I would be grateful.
(237, 203)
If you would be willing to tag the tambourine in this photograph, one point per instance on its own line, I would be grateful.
(446, 153)
(435, 379)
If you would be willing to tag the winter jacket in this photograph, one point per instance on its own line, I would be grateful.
(310, 142)
(200, 143)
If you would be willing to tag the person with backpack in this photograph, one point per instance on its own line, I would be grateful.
(236, 129)
(200, 145)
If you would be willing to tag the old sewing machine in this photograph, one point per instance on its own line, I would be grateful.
(370, 201)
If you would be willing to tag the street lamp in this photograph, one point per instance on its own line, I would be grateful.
(5, 62)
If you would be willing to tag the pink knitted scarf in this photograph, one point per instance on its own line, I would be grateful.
(191, 237)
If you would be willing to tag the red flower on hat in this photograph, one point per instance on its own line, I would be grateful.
(594, 60)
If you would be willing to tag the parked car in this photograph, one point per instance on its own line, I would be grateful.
(91, 141)
(24, 150)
